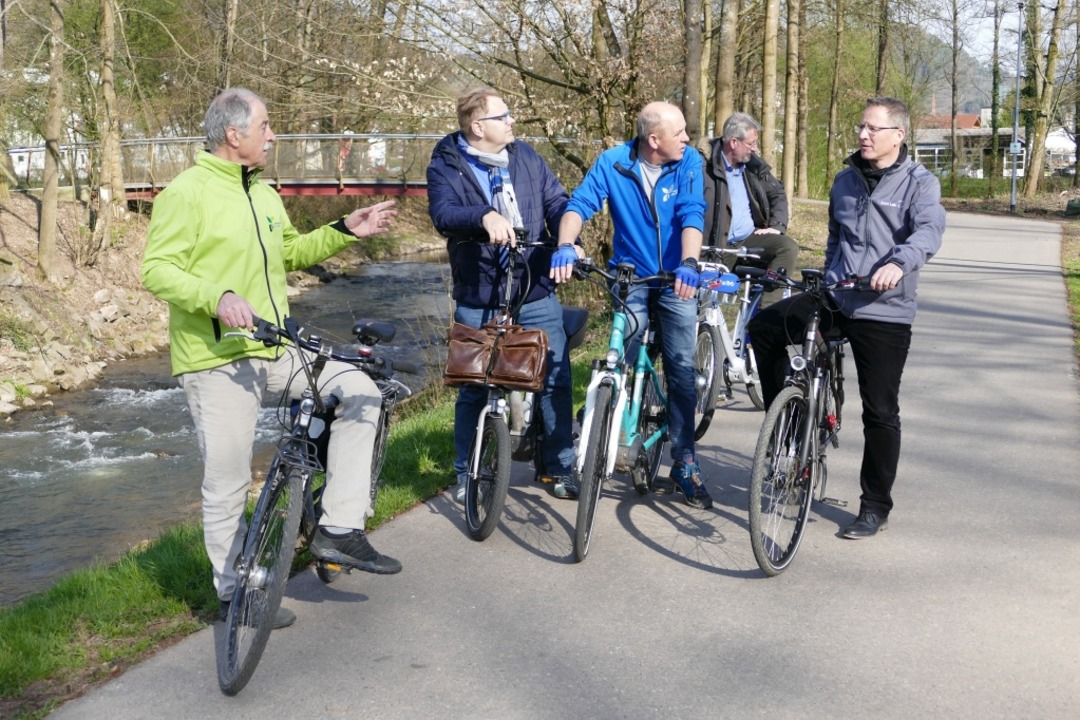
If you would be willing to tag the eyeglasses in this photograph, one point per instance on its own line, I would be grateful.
(752, 145)
(871, 130)
(505, 117)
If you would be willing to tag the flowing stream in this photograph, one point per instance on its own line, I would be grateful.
(109, 467)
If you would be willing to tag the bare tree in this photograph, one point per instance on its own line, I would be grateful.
(228, 41)
(802, 188)
(112, 175)
(791, 97)
(48, 256)
(834, 94)
(725, 63)
(692, 69)
(1045, 97)
(883, 47)
(768, 81)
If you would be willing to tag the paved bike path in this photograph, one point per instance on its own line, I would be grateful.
(966, 607)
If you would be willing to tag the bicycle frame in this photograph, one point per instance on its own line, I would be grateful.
(624, 435)
(749, 298)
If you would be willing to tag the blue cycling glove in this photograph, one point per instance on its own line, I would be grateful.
(564, 255)
(688, 274)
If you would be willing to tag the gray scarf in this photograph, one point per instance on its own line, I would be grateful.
(503, 197)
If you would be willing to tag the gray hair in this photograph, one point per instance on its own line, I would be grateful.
(231, 108)
(739, 124)
(895, 108)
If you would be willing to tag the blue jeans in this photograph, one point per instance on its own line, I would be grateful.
(678, 340)
(556, 405)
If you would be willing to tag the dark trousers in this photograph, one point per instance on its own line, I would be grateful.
(779, 251)
(880, 350)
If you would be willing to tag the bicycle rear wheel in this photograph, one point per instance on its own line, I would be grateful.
(653, 417)
(707, 364)
(593, 472)
(262, 569)
(485, 492)
(780, 484)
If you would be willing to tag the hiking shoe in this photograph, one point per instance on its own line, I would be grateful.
(353, 550)
(565, 487)
(283, 618)
(687, 478)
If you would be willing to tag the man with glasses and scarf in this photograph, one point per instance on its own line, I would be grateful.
(746, 204)
(482, 184)
(885, 223)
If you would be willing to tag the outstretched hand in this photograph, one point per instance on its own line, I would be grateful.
(365, 222)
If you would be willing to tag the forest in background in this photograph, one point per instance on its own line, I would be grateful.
(575, 72)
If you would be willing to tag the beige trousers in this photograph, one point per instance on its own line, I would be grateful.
(225, 402)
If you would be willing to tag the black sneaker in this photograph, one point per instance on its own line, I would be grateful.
(353, 550)
(283, 618)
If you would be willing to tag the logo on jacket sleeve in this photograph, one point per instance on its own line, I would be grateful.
(669, 192)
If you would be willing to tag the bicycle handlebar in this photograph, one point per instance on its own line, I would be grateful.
(271, 335)
(623, 273)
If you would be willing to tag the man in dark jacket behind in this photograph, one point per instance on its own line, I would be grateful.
(482, 184)
(885, 222)
(746, 203)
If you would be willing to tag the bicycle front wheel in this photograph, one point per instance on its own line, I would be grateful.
(780, 484)
(708, 364)
(262, 569)
(653, 417)
(485, 492)
(593, 471)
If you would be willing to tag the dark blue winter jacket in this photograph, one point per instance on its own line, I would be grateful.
(457, 204)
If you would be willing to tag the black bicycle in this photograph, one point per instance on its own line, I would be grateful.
(289, 505)
(803, 420)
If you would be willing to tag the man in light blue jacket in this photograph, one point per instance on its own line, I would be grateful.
(653, 189)
(885, 223)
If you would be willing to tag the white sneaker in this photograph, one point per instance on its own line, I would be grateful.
(459, 493)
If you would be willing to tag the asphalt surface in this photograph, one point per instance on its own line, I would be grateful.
(965, 607)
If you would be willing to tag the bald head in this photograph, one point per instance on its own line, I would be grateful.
(661, 132)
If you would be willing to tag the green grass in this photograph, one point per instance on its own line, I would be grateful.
(20, 333)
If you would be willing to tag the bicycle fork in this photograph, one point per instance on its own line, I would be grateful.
(496, 405)
(611, 442)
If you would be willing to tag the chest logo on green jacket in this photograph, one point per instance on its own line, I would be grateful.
(272, 223)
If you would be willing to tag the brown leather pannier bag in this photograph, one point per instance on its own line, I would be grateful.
(506, 355)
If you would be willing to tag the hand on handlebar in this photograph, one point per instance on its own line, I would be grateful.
(235, 311)
(499, 229)
(562, 263)
(886, 277)
(687, 279)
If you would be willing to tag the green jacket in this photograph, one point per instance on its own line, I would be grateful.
(217, 228)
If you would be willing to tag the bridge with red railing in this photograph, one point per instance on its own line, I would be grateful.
(327, 165)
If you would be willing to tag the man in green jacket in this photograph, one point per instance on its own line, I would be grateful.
(218, 247)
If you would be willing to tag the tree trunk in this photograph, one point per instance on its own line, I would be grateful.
(1076, 106)
(768, 82)
(692, 70)
(791, 99)
(48, 257)
(725, 64)
(954, 161)
(882, 48)
(1037, 155)
(112, 174)
(706, 55)
(802, 188)
(995, 102)
(228, 38)
(832, 152)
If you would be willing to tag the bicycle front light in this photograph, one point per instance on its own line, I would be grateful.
(612, 358)
(798, 363)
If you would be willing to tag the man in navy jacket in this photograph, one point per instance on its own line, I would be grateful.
(482, 184)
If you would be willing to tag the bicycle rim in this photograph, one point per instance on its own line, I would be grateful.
(593, 471)
(263, 568)
(707, 363)
(485, 493)
(780, 484)
(653, 417)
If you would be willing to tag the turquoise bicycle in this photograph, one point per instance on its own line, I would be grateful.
(622, 428)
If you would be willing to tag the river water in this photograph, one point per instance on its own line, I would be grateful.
(108, 467)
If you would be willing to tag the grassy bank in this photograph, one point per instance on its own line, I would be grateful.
(96, 622)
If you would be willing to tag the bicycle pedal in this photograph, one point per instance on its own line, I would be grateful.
(545, 479)
(834, 502)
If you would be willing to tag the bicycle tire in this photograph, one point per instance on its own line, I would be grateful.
(263, 568)
(709, 366)
(780, 485)
(485, 492)
(653, 416)
(592, 472)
